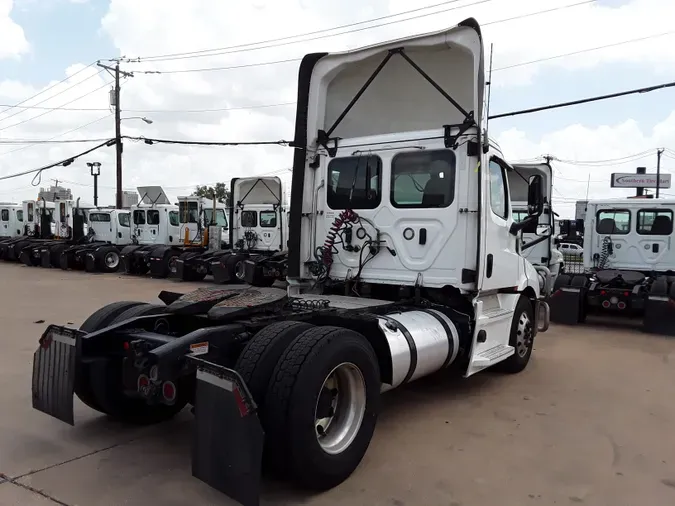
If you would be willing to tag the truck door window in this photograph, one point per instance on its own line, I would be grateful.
(153, 217)
(249, 219)
(62, 212)
(423, 179)
(139, 217)
(4, 215)
(123, 219)
(19, 215)
(498, 197)
(174, 218)
(354, 182)
(654, 222)
(613, 222)
(268, 219)
(30, 212)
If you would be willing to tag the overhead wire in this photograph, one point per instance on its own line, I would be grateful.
(46, 89)
(51, 111)
(51, 97)
(244, 47)
(65, 162)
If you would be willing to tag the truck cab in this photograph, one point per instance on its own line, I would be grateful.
(257, 215)
(112, 226)
(628, 261)
(538, 240)
(11, 220)
(196, 215)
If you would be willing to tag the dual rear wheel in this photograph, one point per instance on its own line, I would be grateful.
(329, 376)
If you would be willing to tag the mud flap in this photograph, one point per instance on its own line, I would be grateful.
(659, 315)
(228, 437)
(54, 365)
(567, 305)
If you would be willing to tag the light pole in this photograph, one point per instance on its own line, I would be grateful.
(95, 169)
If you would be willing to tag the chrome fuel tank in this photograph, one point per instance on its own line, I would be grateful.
(420, 342)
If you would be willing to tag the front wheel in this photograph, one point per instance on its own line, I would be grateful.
(521, 338)
(323, 400)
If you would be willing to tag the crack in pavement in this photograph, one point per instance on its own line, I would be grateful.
(7, 479)
(68, 461)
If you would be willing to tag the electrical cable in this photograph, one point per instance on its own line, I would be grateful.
(51, 111)
(47, 89)
(65, 162)
(149, 140)
(53, 96)
(244, 47)
(59, 135)
(598, 98)
(209, 52)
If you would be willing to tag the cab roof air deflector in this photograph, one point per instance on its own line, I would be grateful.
(331, 144)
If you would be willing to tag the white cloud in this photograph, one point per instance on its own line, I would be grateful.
(159, 27)
(13, 42)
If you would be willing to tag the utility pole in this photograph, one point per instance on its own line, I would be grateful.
(658, 170)
(115, 99)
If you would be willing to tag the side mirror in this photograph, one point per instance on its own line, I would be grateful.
(535, 195)
(580, 226)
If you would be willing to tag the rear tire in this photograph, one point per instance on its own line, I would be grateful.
(331, 373)
(108, 259)
(235, 267)
(97, 320)
(261, 354)
(522, 338)
(108, 372)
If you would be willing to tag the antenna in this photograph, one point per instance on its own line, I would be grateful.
(486, 141)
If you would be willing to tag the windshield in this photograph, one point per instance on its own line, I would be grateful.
(221, 219)
(189, 212)
(519, 216)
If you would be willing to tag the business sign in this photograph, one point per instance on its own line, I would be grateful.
(632, 180)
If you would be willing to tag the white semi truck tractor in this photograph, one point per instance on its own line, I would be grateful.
(403, 261)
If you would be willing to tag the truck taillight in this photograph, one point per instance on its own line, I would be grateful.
(169, 391)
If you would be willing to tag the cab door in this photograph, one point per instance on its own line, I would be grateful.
(502, 264)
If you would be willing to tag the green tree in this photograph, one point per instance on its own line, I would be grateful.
(221, 191)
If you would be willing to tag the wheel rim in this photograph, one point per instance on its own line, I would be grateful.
(340, 408)
(112, 260)
(239, 271)
(523, 334)
(172, 265)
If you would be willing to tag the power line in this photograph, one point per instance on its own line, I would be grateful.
(57, 109)
(51, 97)
(59, 135)
(598, 98)
(204, 52)
(243, 47)
(65, 162)
(149, 140)
(588, 50)
(46, 89)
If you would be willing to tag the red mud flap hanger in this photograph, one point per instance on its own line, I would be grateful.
(228, 438)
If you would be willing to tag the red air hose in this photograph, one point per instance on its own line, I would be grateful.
(346, 216)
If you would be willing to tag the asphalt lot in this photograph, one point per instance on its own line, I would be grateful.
(591, 422)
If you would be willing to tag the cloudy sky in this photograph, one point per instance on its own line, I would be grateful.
(226, 71)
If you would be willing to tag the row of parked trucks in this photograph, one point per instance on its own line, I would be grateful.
(414, 248)
(188, 241)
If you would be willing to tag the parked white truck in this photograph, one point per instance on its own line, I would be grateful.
(402, 261)
(629, 265)
(538, 240)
